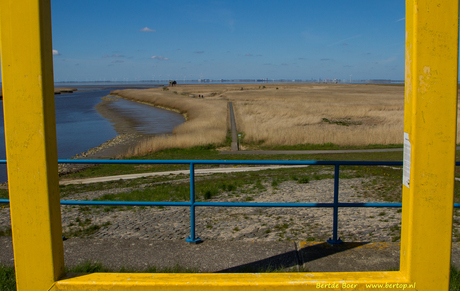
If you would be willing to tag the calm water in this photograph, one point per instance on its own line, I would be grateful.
(80, 127)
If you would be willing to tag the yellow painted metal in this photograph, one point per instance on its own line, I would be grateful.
(283, 281)
(30, 133)
(430, 122)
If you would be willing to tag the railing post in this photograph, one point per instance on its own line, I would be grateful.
(335, 240)
(192, 238)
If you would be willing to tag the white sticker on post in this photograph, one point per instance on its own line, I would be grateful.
(406, 163)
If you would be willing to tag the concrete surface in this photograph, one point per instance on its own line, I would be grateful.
(230, 256)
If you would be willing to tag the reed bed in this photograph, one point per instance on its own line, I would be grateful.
(206, 121)
(280, 114)
(316, 114)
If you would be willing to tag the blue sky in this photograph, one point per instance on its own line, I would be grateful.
(145, 40)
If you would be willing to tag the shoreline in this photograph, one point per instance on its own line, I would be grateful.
(116, 94)
(115, 148)
(119, 146)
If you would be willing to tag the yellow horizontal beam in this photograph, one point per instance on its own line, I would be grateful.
(245, 281)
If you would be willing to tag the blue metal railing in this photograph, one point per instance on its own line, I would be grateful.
(192, 204)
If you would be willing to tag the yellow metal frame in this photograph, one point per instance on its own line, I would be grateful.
(430, 126)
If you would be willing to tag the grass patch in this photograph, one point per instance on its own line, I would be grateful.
(7, 278)
(454, 279)
(209, 152)
(4, 194)
(85, 229)
(6, 232)
(303, 180)
(67, 190)
(162, 192)
(327, 146)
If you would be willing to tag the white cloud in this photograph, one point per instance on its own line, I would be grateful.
(146, 29)
(401, 19)
(56, 53)
(161, 58)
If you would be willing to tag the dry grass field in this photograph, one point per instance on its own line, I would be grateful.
(280, 114)
(341, 114)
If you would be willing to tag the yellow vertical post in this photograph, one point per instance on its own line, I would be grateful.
(30, 134)
(430, 137)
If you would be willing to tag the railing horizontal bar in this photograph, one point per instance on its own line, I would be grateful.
(255, 204)
(231, 162)
(225, 204)
(125, 203)
(221, 204)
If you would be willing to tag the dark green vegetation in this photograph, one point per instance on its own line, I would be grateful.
(316, 147)
(176, 187)
(454, 279)
(209, 186)
(3, 194)
(211, 153)
(7, 279)
(6, 232)
(84, 228)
